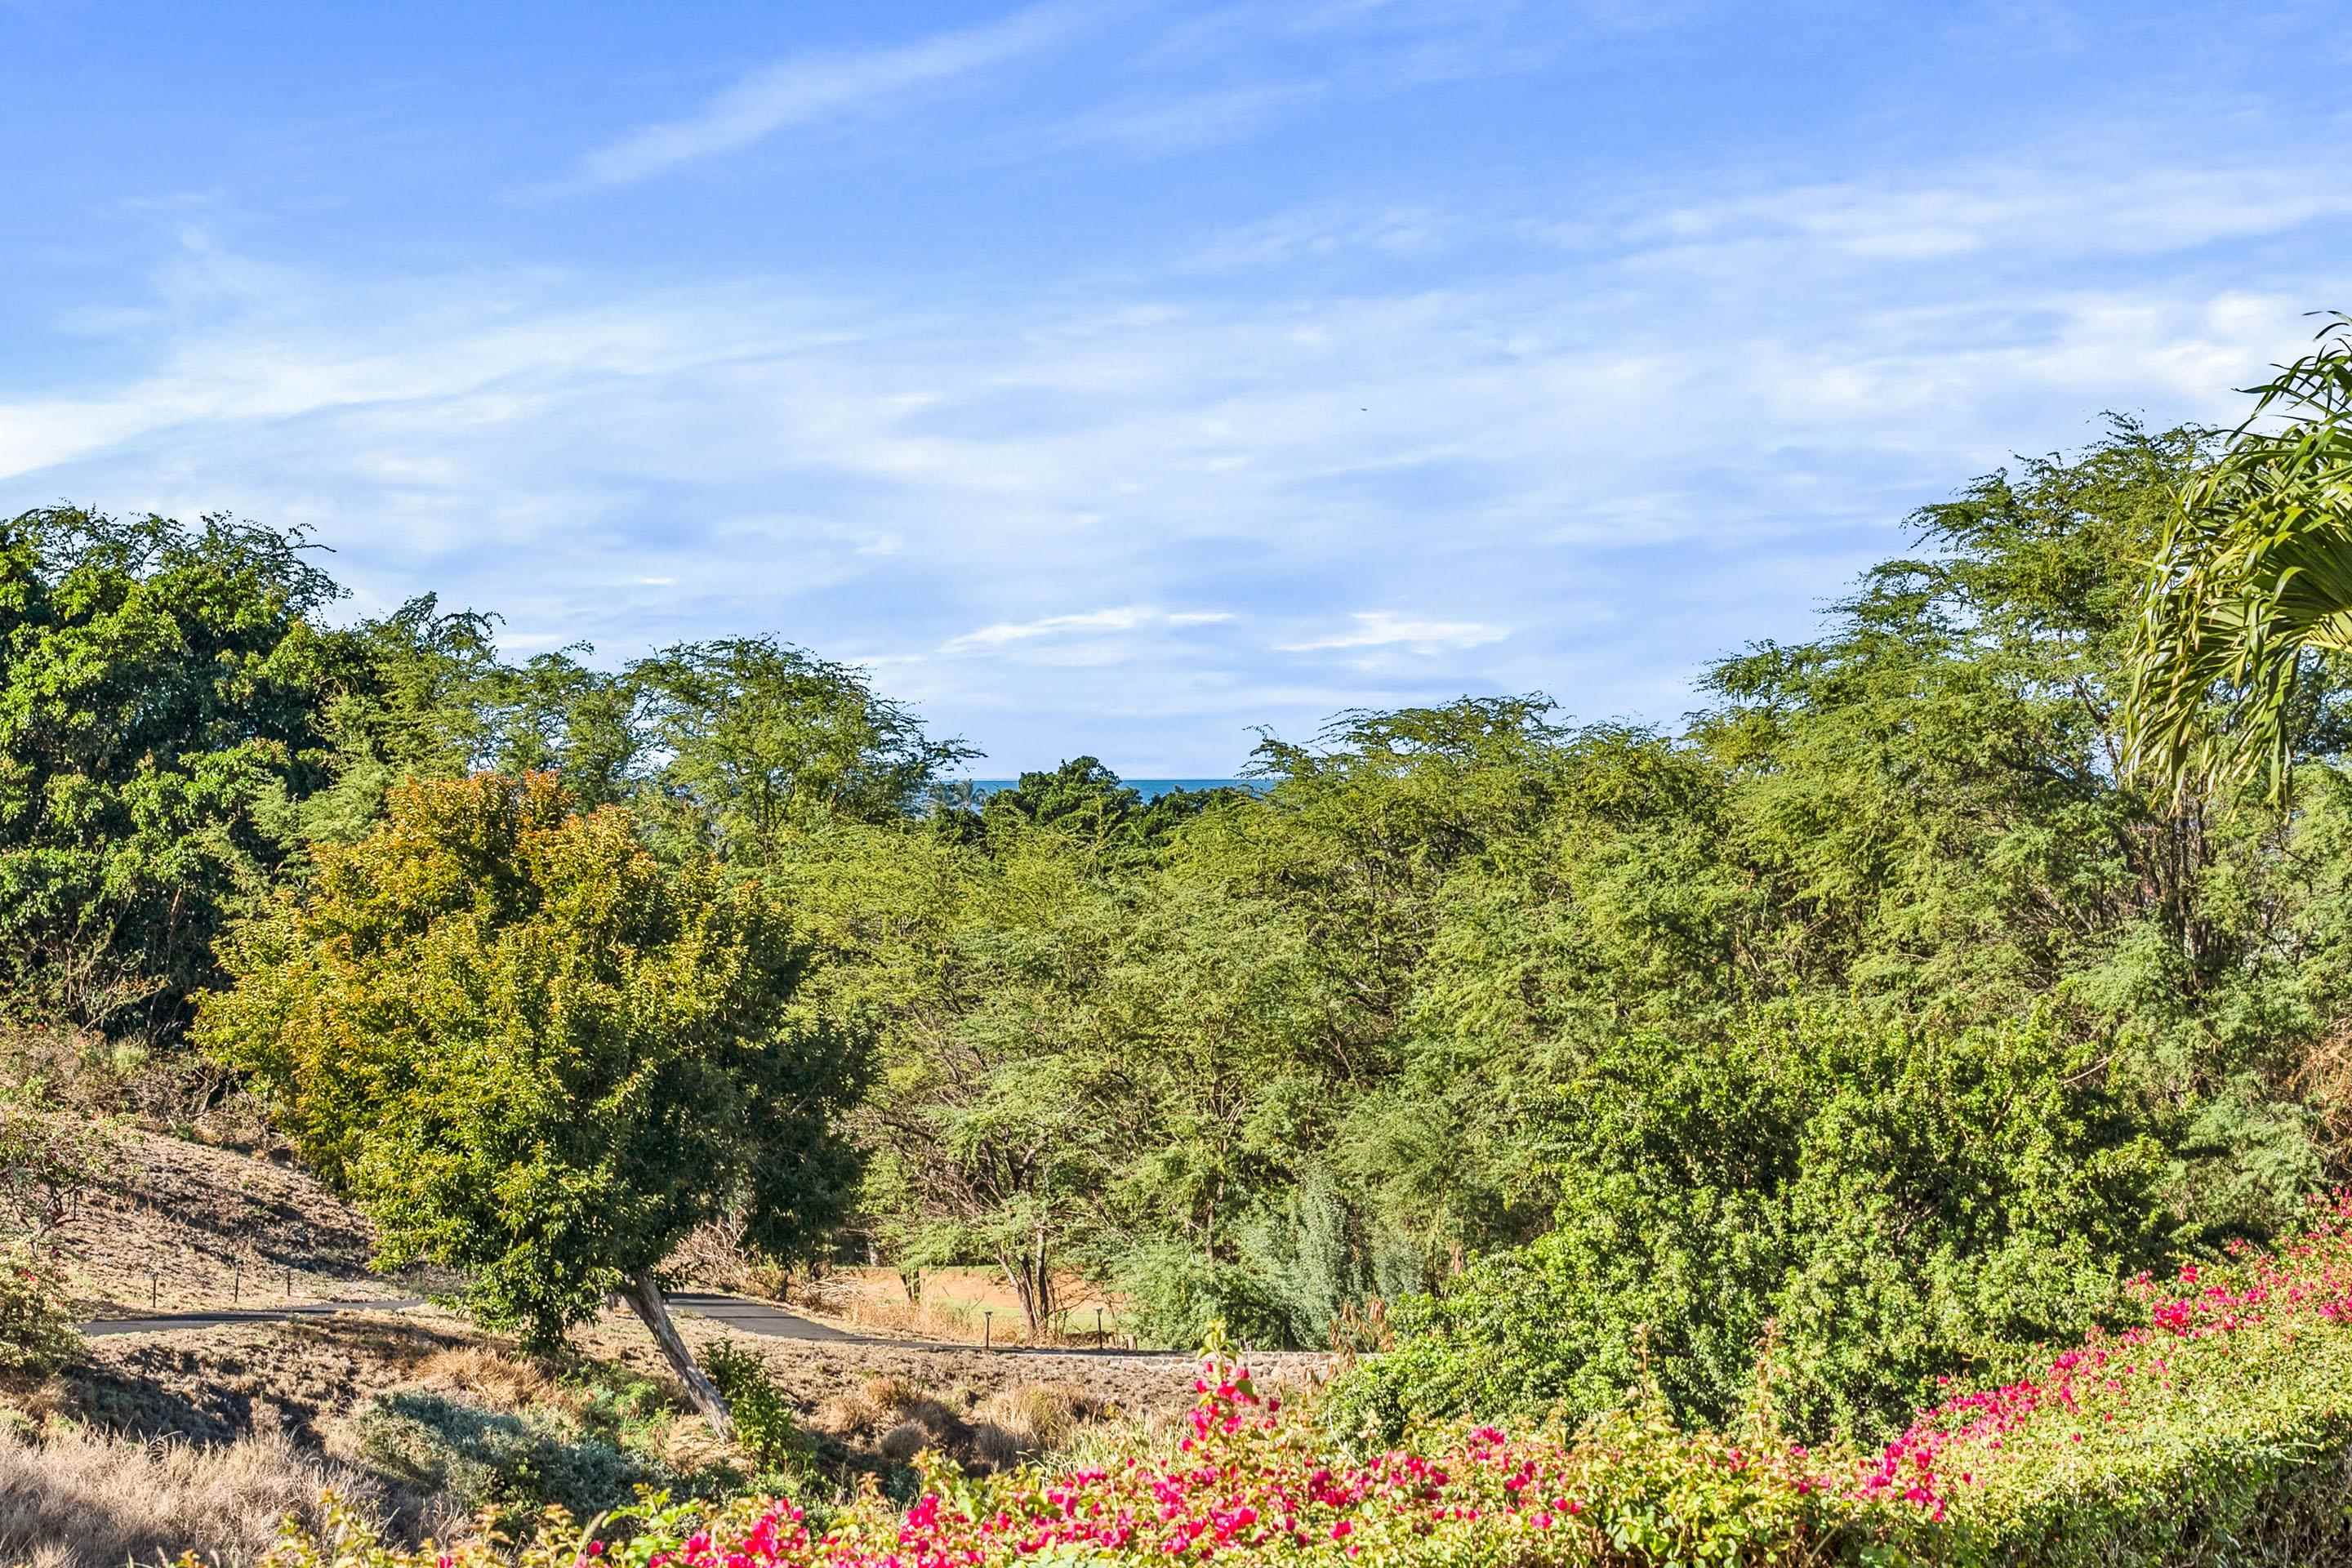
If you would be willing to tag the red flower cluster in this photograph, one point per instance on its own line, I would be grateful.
(1239, 1481)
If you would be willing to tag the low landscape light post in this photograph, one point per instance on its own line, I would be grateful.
(1099, 1329)
(987, 1336)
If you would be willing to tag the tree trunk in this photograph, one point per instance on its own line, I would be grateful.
(1032, 1286)
(645, 1296)
(1016, 1276)
(1041, 1292)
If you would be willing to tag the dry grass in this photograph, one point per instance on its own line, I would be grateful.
(892, 1391)
(891, 1412)
(956, 1304)
(217, 1384)
(490, 1373)
(211, 1214)
(904, 1441)
(1019, 1423)
(77, 1498)
(872, 1313)
(853, 1393)
(1036, 1417)
(897, 1417)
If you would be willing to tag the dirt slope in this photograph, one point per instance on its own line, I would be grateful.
(189, 1225)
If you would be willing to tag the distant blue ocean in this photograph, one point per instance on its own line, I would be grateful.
(1150, 789)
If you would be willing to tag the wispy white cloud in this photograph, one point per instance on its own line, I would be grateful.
(1004, 632)
(1160, 123)
(1125, 619)
(803, 89)
(2044, 210)
(1185, 80)
(1385, 628)
(1314, 233)
(1185, 465)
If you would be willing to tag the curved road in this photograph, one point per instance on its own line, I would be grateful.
(736, 1312)
(758, 1316)
(161, 1323)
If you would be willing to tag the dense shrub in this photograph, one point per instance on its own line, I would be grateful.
(1902, 1203)
(1173, 1295)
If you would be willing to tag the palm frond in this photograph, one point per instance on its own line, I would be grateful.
(2254, 573)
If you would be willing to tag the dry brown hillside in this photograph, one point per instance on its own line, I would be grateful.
(204, 1436)
(195, 1227)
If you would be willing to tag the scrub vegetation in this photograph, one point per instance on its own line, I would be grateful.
(1888, 1117)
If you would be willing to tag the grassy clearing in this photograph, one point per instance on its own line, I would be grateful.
(957, 1304)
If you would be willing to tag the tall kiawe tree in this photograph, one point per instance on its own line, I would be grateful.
(760, 736)
(531, 1049)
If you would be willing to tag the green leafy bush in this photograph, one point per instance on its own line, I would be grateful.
(1904, 1203)
(764, 1425)
(615, 1402)
(1173, 1295)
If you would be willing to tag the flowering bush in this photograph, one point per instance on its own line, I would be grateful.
(1250, 1485)
(2217, 1431)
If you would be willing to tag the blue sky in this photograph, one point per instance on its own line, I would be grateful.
(1112, 376)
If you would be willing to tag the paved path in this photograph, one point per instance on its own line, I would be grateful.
(161, 1322)
(753, 1317)
(766, 1317)
(736, 1312)
(782, 1325)
(777, 1323)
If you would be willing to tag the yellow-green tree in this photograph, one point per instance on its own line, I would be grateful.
(531, 1050)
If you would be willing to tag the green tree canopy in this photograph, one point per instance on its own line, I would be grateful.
(159, 690)
(531, 1049)
(1107, 821)
(757, 736)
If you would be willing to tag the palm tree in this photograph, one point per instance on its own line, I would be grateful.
(2252, 586)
